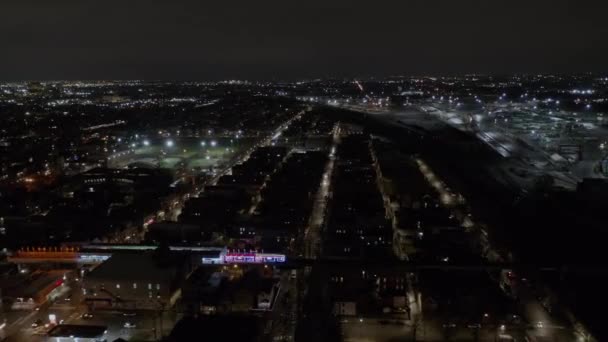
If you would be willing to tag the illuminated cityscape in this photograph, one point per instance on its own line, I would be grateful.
(303, 171)
(352, 199)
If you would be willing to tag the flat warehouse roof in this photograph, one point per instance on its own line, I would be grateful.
(78, 331)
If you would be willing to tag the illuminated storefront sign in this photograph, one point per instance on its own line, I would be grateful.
(253, 258)
(94, 257)
(270, 258)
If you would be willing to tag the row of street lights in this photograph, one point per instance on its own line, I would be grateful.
(171, 143)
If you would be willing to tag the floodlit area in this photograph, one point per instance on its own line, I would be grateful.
(188, 154)
(541, 133)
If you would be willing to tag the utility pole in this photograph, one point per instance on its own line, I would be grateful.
(161, 319)
(158, 333)
(414, 330)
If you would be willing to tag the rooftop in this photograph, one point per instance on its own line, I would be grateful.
(148, 266)
(77, 331)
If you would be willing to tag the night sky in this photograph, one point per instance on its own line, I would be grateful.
(289, 39)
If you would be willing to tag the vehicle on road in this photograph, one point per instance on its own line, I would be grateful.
(37, 323)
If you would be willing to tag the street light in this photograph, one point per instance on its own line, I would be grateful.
(169, 143)
(203, 143)
(146, 143)
(213, 143)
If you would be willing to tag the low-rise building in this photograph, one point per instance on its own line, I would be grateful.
(78, 333)
(148, 281)
(27, 292)
(226, 289)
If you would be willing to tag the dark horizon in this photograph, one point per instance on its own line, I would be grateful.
(273, 40)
